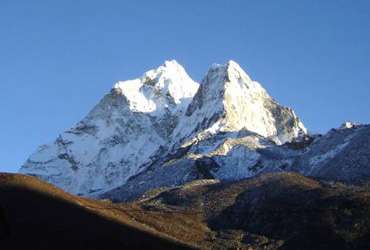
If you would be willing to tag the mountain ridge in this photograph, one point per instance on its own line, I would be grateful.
(164, 129)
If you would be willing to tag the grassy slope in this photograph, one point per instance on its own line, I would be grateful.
(36, 215)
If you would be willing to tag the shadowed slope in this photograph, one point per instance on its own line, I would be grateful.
(280, 210)
(36, 215)
(271, 211)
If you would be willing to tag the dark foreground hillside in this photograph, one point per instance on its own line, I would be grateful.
(272, 211)
(36, 215)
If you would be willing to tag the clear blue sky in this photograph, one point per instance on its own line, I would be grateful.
(58, 58)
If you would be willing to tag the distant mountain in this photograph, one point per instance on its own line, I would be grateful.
(146, 123)
(215, 165)
(164, 130)
(269, 211)
(342, 154)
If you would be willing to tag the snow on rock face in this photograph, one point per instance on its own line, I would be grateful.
(228, 100)
(129, 128)
(166, 88)
(142, 123)
(340, 155)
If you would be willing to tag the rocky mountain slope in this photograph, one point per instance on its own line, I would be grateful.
(269, 211)
(274, 211)
(166, 119)
(342, 154)
(215, 165)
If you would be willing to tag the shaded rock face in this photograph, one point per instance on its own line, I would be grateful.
(341, 155)
(225, 156)
(164, 119)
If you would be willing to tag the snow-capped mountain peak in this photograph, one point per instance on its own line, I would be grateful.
(229, 98)
(168, 87)
(145, 121)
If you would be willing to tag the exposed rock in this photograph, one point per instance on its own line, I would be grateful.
(144, 124)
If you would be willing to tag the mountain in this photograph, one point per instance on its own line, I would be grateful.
(342, 154)
(268, 211)
(166, 119)
(164, 162)
(164, 130)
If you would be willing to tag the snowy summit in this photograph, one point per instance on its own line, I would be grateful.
(164, 118)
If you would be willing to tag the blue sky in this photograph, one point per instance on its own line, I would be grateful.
(58, 58)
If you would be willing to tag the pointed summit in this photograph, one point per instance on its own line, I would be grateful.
(141, 121)
(230, 98)
(232, 72)
(167, 87)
